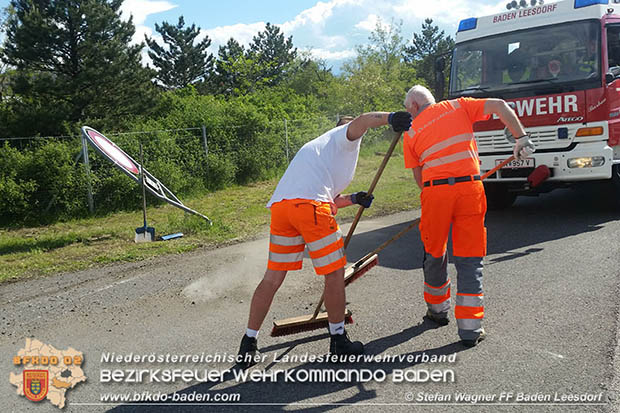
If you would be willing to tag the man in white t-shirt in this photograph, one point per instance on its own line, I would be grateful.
(302, 214)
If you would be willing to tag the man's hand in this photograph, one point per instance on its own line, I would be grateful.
(400, 121)
(362, 198)
(523, 148)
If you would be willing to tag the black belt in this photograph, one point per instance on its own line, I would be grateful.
(452, 181)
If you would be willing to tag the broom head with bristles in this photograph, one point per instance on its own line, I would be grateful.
(303, 323)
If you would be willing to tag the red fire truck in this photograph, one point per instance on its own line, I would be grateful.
(558, 66)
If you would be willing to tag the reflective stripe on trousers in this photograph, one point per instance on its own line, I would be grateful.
(469, 308)
(436, 284)
(283, 249)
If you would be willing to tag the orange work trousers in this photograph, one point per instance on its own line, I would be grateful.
(461, 206)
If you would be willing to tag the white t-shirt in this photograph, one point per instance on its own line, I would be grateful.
(322, 168)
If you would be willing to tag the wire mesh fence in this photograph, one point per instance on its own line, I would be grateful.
(45, 175)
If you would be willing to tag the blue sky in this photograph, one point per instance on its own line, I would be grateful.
(329, 29)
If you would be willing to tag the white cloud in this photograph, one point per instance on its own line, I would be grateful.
(243, 33)
(316, 15)
(369, 24)
(140, 10)
(331, 54)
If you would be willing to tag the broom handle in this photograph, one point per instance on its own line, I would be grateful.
(373, 184)
(417, 220)
(498, 166)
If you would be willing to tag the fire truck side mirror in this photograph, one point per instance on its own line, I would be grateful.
(612, 74)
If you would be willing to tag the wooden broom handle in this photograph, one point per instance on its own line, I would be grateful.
(498, 166)
(417, 220)
(373, 184)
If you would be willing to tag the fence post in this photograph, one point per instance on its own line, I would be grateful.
(204, 139)
(91, 205)
(288, 160)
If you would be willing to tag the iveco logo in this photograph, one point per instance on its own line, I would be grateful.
(573, 119)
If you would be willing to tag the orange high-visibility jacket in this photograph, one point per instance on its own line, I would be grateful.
(441, 139)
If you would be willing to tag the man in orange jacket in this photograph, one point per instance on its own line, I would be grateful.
(441, 150)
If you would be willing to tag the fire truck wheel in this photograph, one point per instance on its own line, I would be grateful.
(498, 196)
(615, 179)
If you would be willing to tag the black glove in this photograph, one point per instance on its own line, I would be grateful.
(400, 121)
(362, 198)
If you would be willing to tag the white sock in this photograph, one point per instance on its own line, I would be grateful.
(337, 328)
(251, 333)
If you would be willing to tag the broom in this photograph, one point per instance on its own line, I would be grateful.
(319, 319)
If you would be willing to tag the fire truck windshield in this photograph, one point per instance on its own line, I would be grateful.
(567, 54)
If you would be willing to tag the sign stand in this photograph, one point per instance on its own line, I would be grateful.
(131, 168)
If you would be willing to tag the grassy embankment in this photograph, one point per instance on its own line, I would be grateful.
(238, 213)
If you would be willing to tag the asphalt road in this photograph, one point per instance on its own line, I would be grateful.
(551, 293)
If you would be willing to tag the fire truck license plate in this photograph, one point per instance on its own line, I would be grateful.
(522, 163)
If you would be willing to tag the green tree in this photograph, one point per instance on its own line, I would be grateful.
(74, 61)
(377, 78)
(231, 70)
(426, 48)
(4, 70)
(184, 61)
(273, 54)
(309, 76)
(386, 45)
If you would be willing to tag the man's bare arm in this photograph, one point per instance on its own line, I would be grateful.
(506, 115)
(342, 201)
(359, 126)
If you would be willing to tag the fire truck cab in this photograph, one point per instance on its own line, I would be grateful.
(558, 66)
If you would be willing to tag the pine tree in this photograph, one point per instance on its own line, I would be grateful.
(233, 73)
(183, 62)
(426, 48)
(74, 61)
(273, 54)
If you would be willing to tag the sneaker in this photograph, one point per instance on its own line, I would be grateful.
(442, 321)
(248, 350)
(474, 343)
(339, 344)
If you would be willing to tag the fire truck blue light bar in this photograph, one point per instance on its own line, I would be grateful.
(585, 3)
(469, 24)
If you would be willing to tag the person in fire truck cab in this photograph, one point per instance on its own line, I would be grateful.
(586, 64)
(441, 150)
(517, 69)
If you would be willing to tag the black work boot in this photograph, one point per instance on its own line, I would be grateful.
(339, 344)
(474, 343)
(248, 351)
(436, 318)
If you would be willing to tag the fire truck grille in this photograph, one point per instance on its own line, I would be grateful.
(544, 139)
